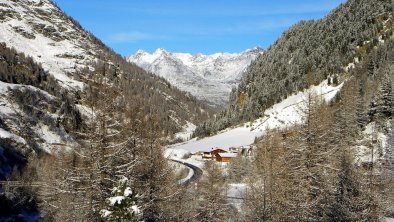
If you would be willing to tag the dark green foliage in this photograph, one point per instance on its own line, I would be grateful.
(124, 209)
(16, 68)
(309, 51)
(346, 204)
(385, 102)
(306, 54)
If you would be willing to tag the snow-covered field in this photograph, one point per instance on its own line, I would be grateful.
(281, 115)
(184, 156)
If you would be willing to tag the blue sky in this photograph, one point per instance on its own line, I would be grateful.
(195, 26)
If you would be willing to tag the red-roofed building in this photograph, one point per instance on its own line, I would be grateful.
(211, 154)
(225, 157)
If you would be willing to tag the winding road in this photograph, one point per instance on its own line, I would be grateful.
(197, 172)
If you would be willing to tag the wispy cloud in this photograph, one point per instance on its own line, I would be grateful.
(135, 36)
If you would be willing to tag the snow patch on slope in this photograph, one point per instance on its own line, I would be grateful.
(374, 144)
(208, 77)
(13, 116)
(7, 135)
(281, 115)
(186, 132)
(62, 56)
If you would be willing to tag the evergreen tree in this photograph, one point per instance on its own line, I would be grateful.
(122, 205)
(346, 203)
(385, 100)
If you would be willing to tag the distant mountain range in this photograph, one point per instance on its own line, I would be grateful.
(210, 78)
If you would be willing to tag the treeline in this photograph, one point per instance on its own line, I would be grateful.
(306, 54)
(22, 71)
(147, 92)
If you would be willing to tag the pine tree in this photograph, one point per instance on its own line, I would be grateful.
(154, 180)
(347, 196)
(313, 153)
(122, 205)
(385, 100)
(85, 176)
(212, 206)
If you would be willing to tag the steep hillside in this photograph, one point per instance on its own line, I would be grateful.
(341, 133)
(312, 51)
(308, 53)
(73, 57)
(64, 93)
(210, 78)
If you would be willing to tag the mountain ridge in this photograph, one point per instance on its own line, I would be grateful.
(208, 77)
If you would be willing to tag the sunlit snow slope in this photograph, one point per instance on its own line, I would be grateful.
(280, 115)
(208, 77)
(40, 30)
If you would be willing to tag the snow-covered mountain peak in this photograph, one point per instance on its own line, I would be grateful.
(255, 49)
(140, 52)
(208, 77)
(160, 51)
(41, 30)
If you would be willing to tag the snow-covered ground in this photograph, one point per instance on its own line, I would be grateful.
(372, 140)
(186, 132)
(61, 53)
(281, 115)
(12, 114)
(184, 156)
(235, 194)
(207, 77)
(8, 135)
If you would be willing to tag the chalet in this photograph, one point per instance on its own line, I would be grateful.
(217, 151)
(211, 154)
(225, 157)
